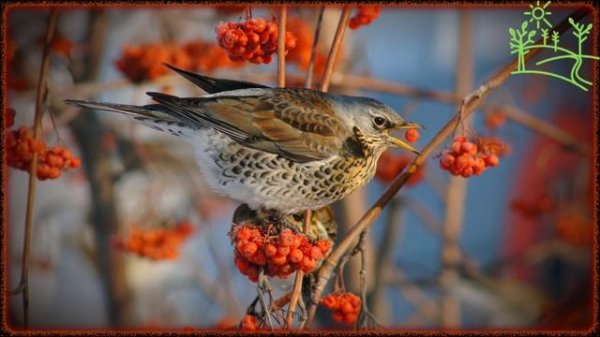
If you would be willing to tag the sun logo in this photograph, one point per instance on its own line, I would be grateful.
(522, 41)
(538, 14)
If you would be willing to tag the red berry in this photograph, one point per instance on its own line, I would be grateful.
(491, 160)
(296, 255)
(270, 250)
(411, 135)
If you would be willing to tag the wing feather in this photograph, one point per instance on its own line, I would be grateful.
(298, 124)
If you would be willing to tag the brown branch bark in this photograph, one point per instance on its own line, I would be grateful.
(41, 94)
(335, 47)
(281, 48)
(87, 129)
(470, 103)
(313, 50)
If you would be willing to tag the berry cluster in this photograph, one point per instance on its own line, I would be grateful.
(364, 16)
(21, 146)
(143, 62)
(250, 323)
(206, 57)
(411, 135)
(157, 243)
(280, 254)
(391, 164)
(254, 40)
(466, 158)
(346, 306)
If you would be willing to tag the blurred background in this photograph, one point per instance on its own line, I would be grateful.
(510, 248)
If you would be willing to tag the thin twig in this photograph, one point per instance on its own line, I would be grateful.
(470, 103)
(262, 286)
(280, 302)
(42, 88)
(281, 48)
(547, 129)
(373, 84)
(313, 51)
(335, 47)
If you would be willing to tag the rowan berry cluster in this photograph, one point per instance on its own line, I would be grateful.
(206, 56)
(144, 62)
(157, 243)
(391, 164)
(280, 253)
(254, 40)
(411, 135)
(300, 55)
(346, 306)
(21, 147)
(465, 158)
(364, 16)
(250, 323)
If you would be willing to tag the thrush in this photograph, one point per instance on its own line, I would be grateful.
(282, 149)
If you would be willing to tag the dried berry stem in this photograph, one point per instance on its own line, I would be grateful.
(281, 48)
(335, 47)
(470, 103)
(313, 50)
(41, 95)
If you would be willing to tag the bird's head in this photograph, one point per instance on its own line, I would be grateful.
(376, 121)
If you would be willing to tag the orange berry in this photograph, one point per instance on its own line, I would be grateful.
(337, 316)
(249, 249)
(286, 238)
(278, 259)
(308, 264)
(411, 135)
(330, 302)
(315, 253)
(350, 318)
(469, 147)
(491, 160)
(270, 250)
(283, 250)
(296, 255)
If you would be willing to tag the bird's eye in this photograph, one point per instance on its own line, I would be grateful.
(379, 121)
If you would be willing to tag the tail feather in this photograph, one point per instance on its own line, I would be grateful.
(214, 85)
(155, 116)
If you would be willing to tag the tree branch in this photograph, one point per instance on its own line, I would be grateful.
(469, 104)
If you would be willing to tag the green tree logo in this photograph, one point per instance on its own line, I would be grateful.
(521, 43)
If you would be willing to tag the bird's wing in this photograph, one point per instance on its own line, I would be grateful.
(214, 85)
(297, 124)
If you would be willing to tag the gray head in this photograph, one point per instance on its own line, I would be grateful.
(375, 120)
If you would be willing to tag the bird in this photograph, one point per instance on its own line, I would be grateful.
(282, 149)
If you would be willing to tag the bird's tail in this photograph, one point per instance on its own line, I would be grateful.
(155, 116)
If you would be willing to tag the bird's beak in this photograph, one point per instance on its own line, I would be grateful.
(402, 144)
